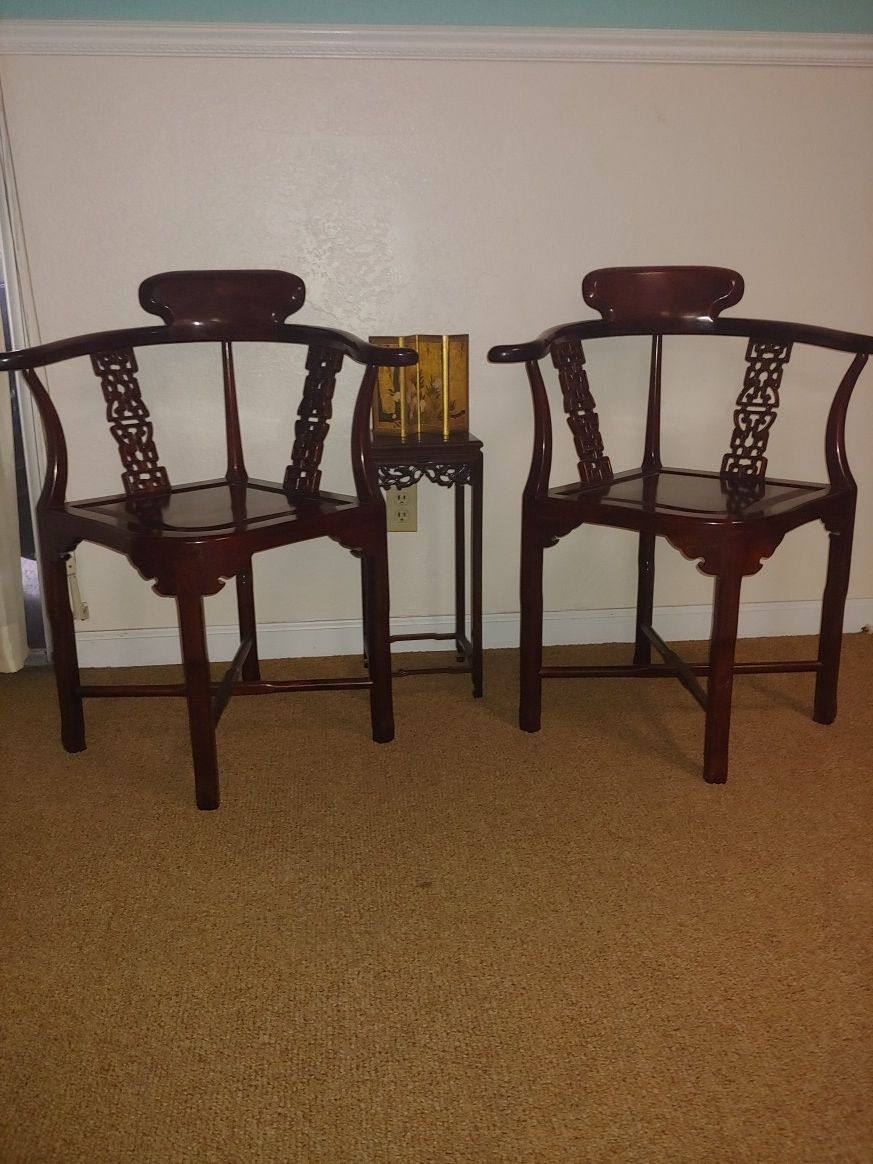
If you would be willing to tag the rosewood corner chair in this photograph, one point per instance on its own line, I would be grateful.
(189, 538)
(729, 520)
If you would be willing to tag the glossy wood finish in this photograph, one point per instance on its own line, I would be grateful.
(729, 520)
(455, 462)
(189, 538)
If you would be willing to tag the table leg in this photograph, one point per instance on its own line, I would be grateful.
(460, 573)
(476, 575)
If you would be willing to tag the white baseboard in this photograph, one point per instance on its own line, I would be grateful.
(143, 648)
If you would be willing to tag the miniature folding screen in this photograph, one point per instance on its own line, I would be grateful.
(430, 397)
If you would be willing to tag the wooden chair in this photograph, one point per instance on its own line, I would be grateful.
(730, 520)
(189, 538)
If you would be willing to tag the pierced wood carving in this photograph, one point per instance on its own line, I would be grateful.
(756, 408)
(129, 422)
(303, 474)
(404, 476)
(594, 465)
(744, 467)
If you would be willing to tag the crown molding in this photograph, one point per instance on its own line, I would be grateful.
(431, 42)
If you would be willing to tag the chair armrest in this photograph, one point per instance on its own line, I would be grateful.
(770, 329)
(350, 345)
(42, 355)
(101, 341)
(532, 350)
(523, 353)
(800, 333)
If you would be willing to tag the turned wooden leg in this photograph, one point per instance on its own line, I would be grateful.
(833, 608)
(65, 658)
(195, 661)
(376, 636)
(722, 649)
(531, 637)
(245, 604)
(645, 597)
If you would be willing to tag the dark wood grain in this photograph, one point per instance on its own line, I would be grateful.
(188, 538)
(454, 462)
(729, 521)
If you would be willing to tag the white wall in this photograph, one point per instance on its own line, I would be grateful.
(451, 196)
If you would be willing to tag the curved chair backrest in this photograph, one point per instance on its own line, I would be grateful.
(668, 300)
(661, 295)
(233, 299)
(219, 306)
(661, 300)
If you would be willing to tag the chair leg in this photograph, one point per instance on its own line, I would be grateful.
(830, 640)
(245, 604)
(645, 597)
(195, 661)
(722, 648)
(377, 630)
(531, 634)
(66, 662)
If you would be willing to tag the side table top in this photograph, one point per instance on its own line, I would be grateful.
(425, 447)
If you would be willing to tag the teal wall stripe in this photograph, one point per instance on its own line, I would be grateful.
(846, 16)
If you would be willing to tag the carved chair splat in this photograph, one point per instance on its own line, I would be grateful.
(189, 538)
(730, 521)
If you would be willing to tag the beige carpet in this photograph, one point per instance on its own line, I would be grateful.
(469, 945)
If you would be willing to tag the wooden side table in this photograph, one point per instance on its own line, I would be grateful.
(454, 462)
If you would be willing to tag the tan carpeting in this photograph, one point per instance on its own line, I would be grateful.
(469, 945)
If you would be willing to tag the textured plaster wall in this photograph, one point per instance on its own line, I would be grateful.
(448, 196)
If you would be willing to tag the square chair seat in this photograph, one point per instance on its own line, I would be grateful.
(208, 509)
(690, 493)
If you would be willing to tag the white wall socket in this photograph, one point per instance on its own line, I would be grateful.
(401, 509)
(77, 602)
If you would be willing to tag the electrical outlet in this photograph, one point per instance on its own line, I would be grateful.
(77, 602)
(401, 509)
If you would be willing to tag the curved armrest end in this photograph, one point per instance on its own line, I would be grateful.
(391, 357)
(522, 353)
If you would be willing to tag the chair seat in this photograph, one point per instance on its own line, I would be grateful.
(689, 493)
(208, 509)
